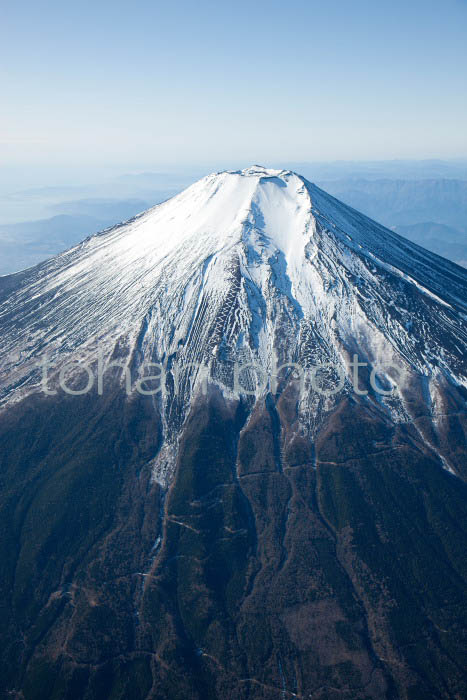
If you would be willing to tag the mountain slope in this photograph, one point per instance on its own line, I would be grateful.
(441, 239)
(226, 534)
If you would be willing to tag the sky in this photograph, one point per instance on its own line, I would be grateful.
(149, 84)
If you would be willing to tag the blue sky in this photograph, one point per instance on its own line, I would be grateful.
(154, 84)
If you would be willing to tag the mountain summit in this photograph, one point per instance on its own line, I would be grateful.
(253, 266)
(234, 459)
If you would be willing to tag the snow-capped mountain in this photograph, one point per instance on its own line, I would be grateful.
(253, 266)
(215, 539)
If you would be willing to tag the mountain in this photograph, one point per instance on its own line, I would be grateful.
(280, 510)
(434, 196)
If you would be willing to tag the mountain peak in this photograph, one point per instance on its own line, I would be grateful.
(260, 171)
(256, 264)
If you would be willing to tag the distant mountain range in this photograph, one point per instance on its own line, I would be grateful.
(27, 243)
(444, 240)
(405, 202)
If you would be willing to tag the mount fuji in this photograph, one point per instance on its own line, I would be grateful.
(239, 529)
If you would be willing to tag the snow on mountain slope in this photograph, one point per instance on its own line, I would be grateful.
(249, 266)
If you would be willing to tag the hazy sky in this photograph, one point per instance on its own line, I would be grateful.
(150, 83)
